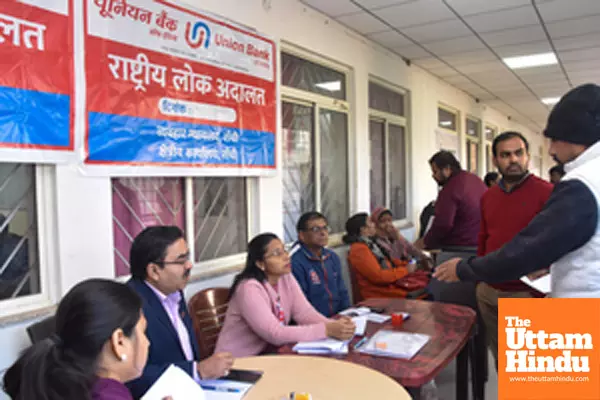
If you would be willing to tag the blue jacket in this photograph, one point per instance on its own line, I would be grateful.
(165, 348)
(321, 280)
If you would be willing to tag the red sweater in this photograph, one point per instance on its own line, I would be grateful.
(503, 215)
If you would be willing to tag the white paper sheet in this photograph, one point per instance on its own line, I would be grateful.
(325, 346)
(176, 383)
(356, 312)
(541, 284)
(361, 325)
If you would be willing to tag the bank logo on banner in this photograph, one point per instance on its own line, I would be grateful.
(197, 35)
(548, 349)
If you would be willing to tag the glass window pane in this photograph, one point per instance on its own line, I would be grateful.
(489, 158)
(397, 168)
(298, 165)
(220, 217)
(490, 133)
(472, 157)
(302, 74)
(139, 203)
(386, 100)
(19, 263)
(377, 139)
(333, 128)
(446, 119)
(472, 127)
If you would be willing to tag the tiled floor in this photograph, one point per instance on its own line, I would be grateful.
(446, 386)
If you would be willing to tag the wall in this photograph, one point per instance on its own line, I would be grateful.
(84, 228)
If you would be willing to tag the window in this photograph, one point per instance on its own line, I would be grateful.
(315, 143)
(473, 134)
(215, 218)
(490, 133)
(387, 137)
(19, 259)
(447, 119)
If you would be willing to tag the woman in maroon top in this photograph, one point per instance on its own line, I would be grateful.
(99, 344)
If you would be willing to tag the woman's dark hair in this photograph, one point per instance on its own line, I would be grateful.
(150, 246)
(490, 178)
(64, 366)
(256, 252)
(353, 226)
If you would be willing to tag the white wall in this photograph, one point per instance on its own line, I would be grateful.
(84, 204)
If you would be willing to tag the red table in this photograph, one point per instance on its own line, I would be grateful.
(449, 326)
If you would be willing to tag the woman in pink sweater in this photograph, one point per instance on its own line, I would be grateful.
(264, 298)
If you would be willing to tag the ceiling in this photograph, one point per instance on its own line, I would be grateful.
(463, 42)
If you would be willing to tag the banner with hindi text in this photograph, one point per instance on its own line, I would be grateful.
(169, 88)
(36, 80)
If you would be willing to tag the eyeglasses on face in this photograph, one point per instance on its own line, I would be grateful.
(319, 229)
(276, 253)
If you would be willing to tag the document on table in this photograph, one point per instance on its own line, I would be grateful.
(541, 284)
(395, 344)
(356, 312)
(325, 346)
(176, 383)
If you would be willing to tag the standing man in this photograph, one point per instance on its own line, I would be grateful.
(507, 208)
(160, 268)
(457, 214)
(318, 270)
(565, 234)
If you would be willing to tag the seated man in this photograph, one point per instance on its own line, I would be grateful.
(317, 269)
(160, 269)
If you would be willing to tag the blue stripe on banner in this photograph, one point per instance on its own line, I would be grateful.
(119, 138)
(34, 118)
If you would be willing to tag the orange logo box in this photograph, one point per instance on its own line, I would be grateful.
(548, 349)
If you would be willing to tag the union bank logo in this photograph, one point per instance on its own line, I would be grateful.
(197, 35)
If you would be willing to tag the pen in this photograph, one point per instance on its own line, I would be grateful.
(360, 342)
(221, 388)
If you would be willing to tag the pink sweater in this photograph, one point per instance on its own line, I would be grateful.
(251, 323)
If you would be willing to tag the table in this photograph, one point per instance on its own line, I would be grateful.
(323, 378)
(450, 327)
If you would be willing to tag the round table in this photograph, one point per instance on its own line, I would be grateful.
(324, 378)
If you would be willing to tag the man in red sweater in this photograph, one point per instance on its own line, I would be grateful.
(506, 209)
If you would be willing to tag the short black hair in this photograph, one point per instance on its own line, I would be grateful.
(557, 169)
(150, 246)
(443, 159)
(302, 224)
(506, 136)
(490, 177)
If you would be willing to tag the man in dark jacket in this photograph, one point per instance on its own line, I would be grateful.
(318, 270)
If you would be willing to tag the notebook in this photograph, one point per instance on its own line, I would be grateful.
(395, 344)
(325, 346)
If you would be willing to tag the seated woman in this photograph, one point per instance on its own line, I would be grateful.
(264, 298)
(377, 273)
(99, 344)
(391, 240)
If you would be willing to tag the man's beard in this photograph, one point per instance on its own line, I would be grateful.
(514, 177)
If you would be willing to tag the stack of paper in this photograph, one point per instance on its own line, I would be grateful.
(177, 384)
(395, 344)
(542, 284)
(361, 325)
(356, 312)
(326, 346)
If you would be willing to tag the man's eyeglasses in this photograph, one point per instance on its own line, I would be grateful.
(182, 261)
(319, 229)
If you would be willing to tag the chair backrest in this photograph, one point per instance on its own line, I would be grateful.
(42, 329)
(208, 308)
(356, 297)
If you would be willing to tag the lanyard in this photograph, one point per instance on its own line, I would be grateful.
(278, 309)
